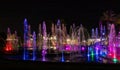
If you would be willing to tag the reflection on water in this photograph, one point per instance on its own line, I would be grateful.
(76, 58)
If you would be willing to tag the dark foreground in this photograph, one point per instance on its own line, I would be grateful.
(20, 64)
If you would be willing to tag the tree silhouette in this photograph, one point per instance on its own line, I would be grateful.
(109, 16)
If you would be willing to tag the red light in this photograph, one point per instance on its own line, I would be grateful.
(118, 58)
(6, 49)
(8, 46)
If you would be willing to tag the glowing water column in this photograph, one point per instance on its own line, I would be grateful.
(112, 50)
(44, 50)
(97, 44)
(8, 46)
(25, 39)
(103, 47)
(93, 35)
(58, 30)
(81, 38)
(34, 45)
(39, 38)
(59, 39)
(15, 41)
(118, 46)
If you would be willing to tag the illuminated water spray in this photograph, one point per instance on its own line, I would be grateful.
(88, 54)
(96, 33)
(111, 40)
(59, 34)
(118, 46)
(112, 43)
(103, 48)
(34, 46)
(25, 39)
(39, 38)
(44, 50)
(80, 31)
(97, 44)
(8, 46)
(82, 39)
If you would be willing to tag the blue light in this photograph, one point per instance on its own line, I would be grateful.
(100, 52)
(34, 45)
(62, 59)
(88, 55)
(24, 57)
(34, 58)
(24, 54)
(96, 53)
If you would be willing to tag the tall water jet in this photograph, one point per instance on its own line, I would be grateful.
(93, 36)
(15, 41)
(25, 39)
(102, 33)
(71, 42)
(111, 44)
(59, 40)
(53, 29)
(74, 44)
(58, 32)
(118, 46)
(44, 50)
(83, 38)
(97, 43)
(53, 37)
(103, 39)
(39, 38)
(96, 33)
(34, 46)
(82, 35)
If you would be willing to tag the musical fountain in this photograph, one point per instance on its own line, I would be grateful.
(60, 46)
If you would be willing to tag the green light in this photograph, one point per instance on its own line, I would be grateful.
(92, 56)
(114, 60)
(92, 53)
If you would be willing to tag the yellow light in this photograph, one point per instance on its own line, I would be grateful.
(54, 37)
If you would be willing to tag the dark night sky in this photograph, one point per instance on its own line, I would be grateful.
(85, 12)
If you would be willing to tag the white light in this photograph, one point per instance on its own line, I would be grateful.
(68, 40)
(54, 37)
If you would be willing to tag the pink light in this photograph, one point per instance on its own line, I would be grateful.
(114, 56)
(29, 43)
(110, 54)
(67, 48)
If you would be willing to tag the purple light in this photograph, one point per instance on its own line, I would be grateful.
(83, 48)
(96, 48)
(68, 48)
